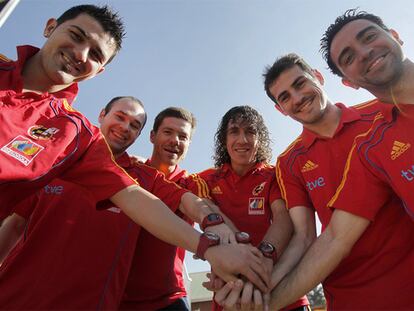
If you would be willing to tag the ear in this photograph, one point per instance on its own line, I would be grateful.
(318, 76)
(101, 115)
(396, 36)
(100, 70)
(280, 109)
(348, 83)
(50, 27)
(152, 136)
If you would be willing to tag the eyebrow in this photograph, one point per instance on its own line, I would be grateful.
(125, 114)
(293, 84)
(87, 36)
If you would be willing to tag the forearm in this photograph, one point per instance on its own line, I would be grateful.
(291, 256)
(194, 207)
(11, 230)
(322, 257)
(280, 231)
(148, 211)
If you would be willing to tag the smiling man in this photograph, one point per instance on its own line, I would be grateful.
(365, 53)
(171, 136)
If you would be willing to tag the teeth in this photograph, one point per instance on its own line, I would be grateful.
(375, 63)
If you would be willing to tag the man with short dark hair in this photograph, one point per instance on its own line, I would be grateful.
(171, 135)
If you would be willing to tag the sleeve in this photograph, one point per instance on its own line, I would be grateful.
(275, 193)
(360, 191)
(292, 189)
(97, 171)
(197, 185)
(168, 191)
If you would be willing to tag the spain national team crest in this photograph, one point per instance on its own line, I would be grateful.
(22, 149)
(259, 188)
(41, 132)
(256, 206)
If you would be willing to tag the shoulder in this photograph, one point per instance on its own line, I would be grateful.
(290, 150)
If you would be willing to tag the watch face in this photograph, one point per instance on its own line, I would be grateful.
(213, 217)
(242, 237)
(267, 247)
(212, 236)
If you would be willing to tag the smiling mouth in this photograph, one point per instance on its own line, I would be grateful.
(376, 62)
(69, 66)
(307, 102)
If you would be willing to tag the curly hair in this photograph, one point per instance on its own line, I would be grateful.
(349, 16)
(247, 115)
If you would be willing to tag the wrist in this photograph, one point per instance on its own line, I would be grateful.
(211, 219)
(268, 250)
(207, 240)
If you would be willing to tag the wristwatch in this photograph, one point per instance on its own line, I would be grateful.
(212, 219)
(268, 250)
(242, 237)
(207, 239)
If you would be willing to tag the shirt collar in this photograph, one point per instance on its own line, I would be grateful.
(348, 115)
(124, 161)
(226, 168)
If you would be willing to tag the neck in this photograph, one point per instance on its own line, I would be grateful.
(35, 79)
(328, 123)
(241, 170)
(401, 91)
(162, 167)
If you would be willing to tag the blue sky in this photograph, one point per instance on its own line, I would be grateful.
(207, 56)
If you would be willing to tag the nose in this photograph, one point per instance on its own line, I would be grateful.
(174, 140)
(296, 98)
(365, 52)
(243, 137)
(80, 54)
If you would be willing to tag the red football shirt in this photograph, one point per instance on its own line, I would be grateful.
(246, 200)
(381, 164)
(74, 256)
(156, 276)
(309, 172)
(42, 136)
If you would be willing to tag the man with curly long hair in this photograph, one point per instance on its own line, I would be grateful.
(244, 186)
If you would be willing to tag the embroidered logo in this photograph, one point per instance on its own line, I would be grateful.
(22, 149)
(256, 206)
(259, 188)
(41, 132)
(216, 190)
(398, 149)
(309, 165)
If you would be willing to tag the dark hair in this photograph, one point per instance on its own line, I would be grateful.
(349, 16)
(175, 112)
(110, 21)
(110, 104)
(247, 115)
(280, 65)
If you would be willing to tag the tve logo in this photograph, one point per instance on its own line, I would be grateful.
(53, 189)
(408, 174)
(318, 182)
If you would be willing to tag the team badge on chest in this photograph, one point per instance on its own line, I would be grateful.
(42, 132)
(256, 206)
(22, 149)
(259, 188)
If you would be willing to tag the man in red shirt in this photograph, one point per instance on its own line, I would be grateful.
(382, 160)
(171, 136)
(95, 247)
(356, 272)
(244, 186)
(43, 136)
